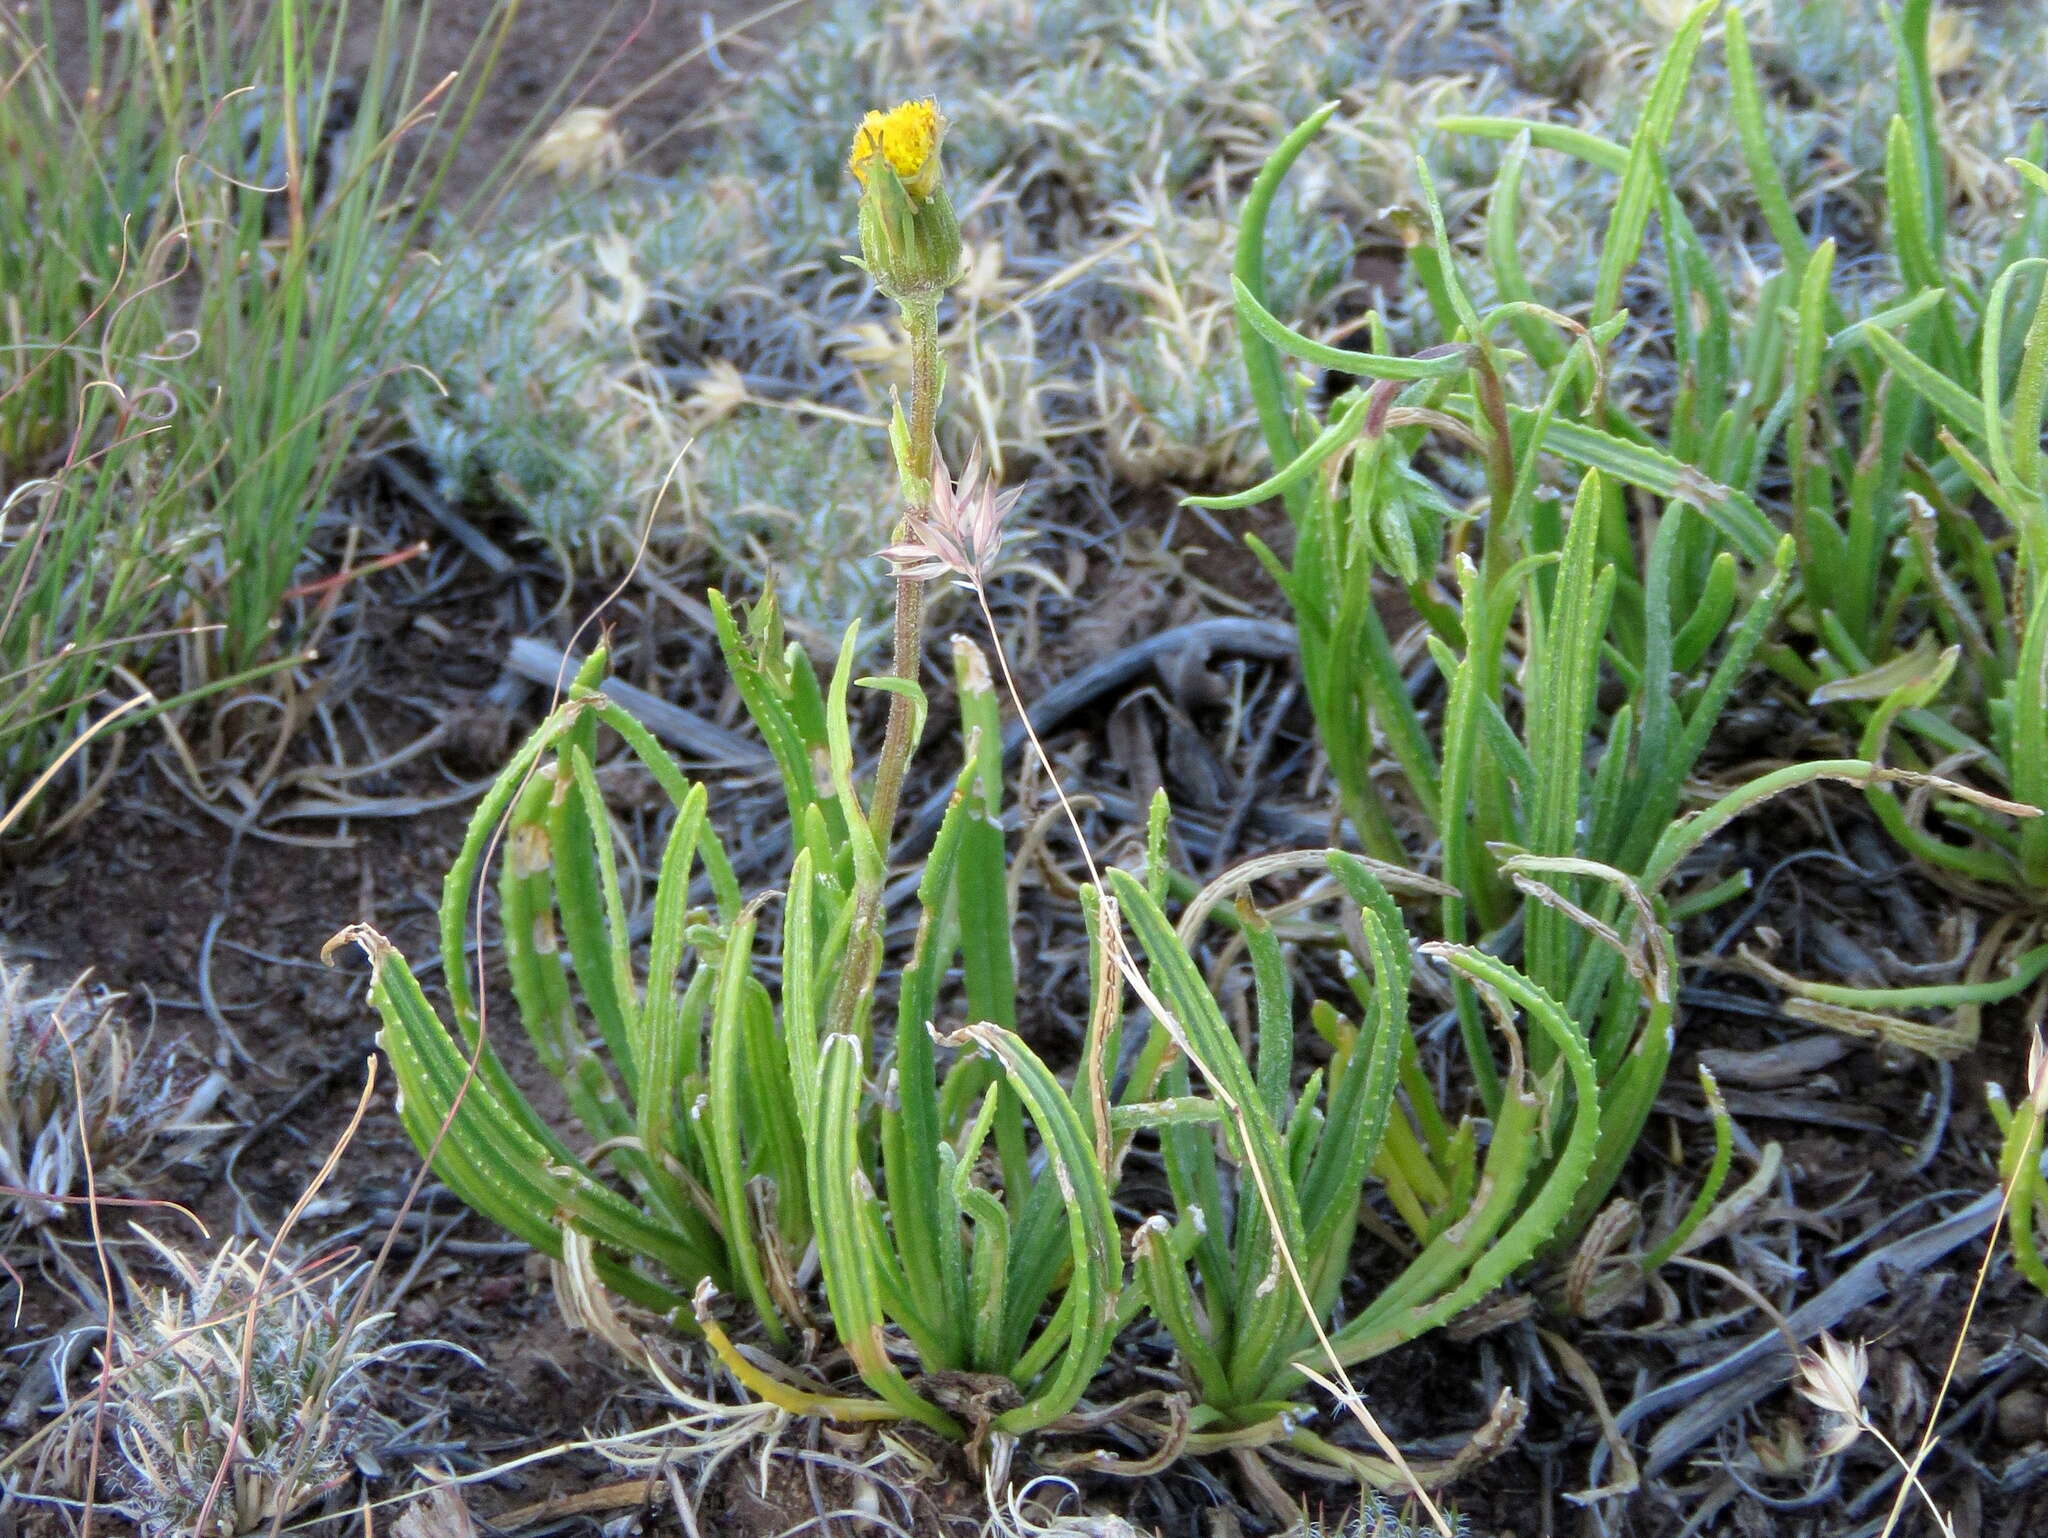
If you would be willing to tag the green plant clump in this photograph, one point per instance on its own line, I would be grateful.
(241, 1353)
(204, 271)
(1906, 421)
(743, 1107)
(1589, 606)
(1844, 486)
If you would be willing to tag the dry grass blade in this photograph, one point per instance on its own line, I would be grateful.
(77, 745)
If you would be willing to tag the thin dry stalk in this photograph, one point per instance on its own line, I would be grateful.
(1341, 1387)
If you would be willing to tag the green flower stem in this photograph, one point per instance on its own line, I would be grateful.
(914, 468)
(927, 381)
(896, 743)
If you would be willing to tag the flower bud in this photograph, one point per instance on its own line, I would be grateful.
(909, 237)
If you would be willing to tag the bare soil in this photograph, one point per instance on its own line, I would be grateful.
(657, 66)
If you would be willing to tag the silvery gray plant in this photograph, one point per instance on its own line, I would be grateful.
(75, 1086)
(266, 1359)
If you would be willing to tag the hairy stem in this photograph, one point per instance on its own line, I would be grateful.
(927, 380)
(926, 383)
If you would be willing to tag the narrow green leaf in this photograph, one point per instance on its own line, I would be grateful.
(1090, 1299)
(727, 1103)
(1957, 406)
(1340, 433)
(1738, 518)
(1630, 218)
(666, 1051)
(1765, 181)
(843, 1254)
(1261, 362)
(1602, 154)
(1449, 362)
(905, 688)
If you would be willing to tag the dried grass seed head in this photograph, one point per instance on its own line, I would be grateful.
(1831, 1377)
(961, 532)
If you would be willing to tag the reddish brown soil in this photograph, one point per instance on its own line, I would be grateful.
(643, 60)
(646, 61)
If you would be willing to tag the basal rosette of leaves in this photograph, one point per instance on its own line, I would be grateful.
(765, 1090)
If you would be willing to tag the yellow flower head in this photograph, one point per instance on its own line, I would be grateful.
(907, 137)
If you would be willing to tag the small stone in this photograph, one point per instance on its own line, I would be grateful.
(2023, 1416)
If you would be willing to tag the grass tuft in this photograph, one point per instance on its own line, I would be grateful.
(77, 1092)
